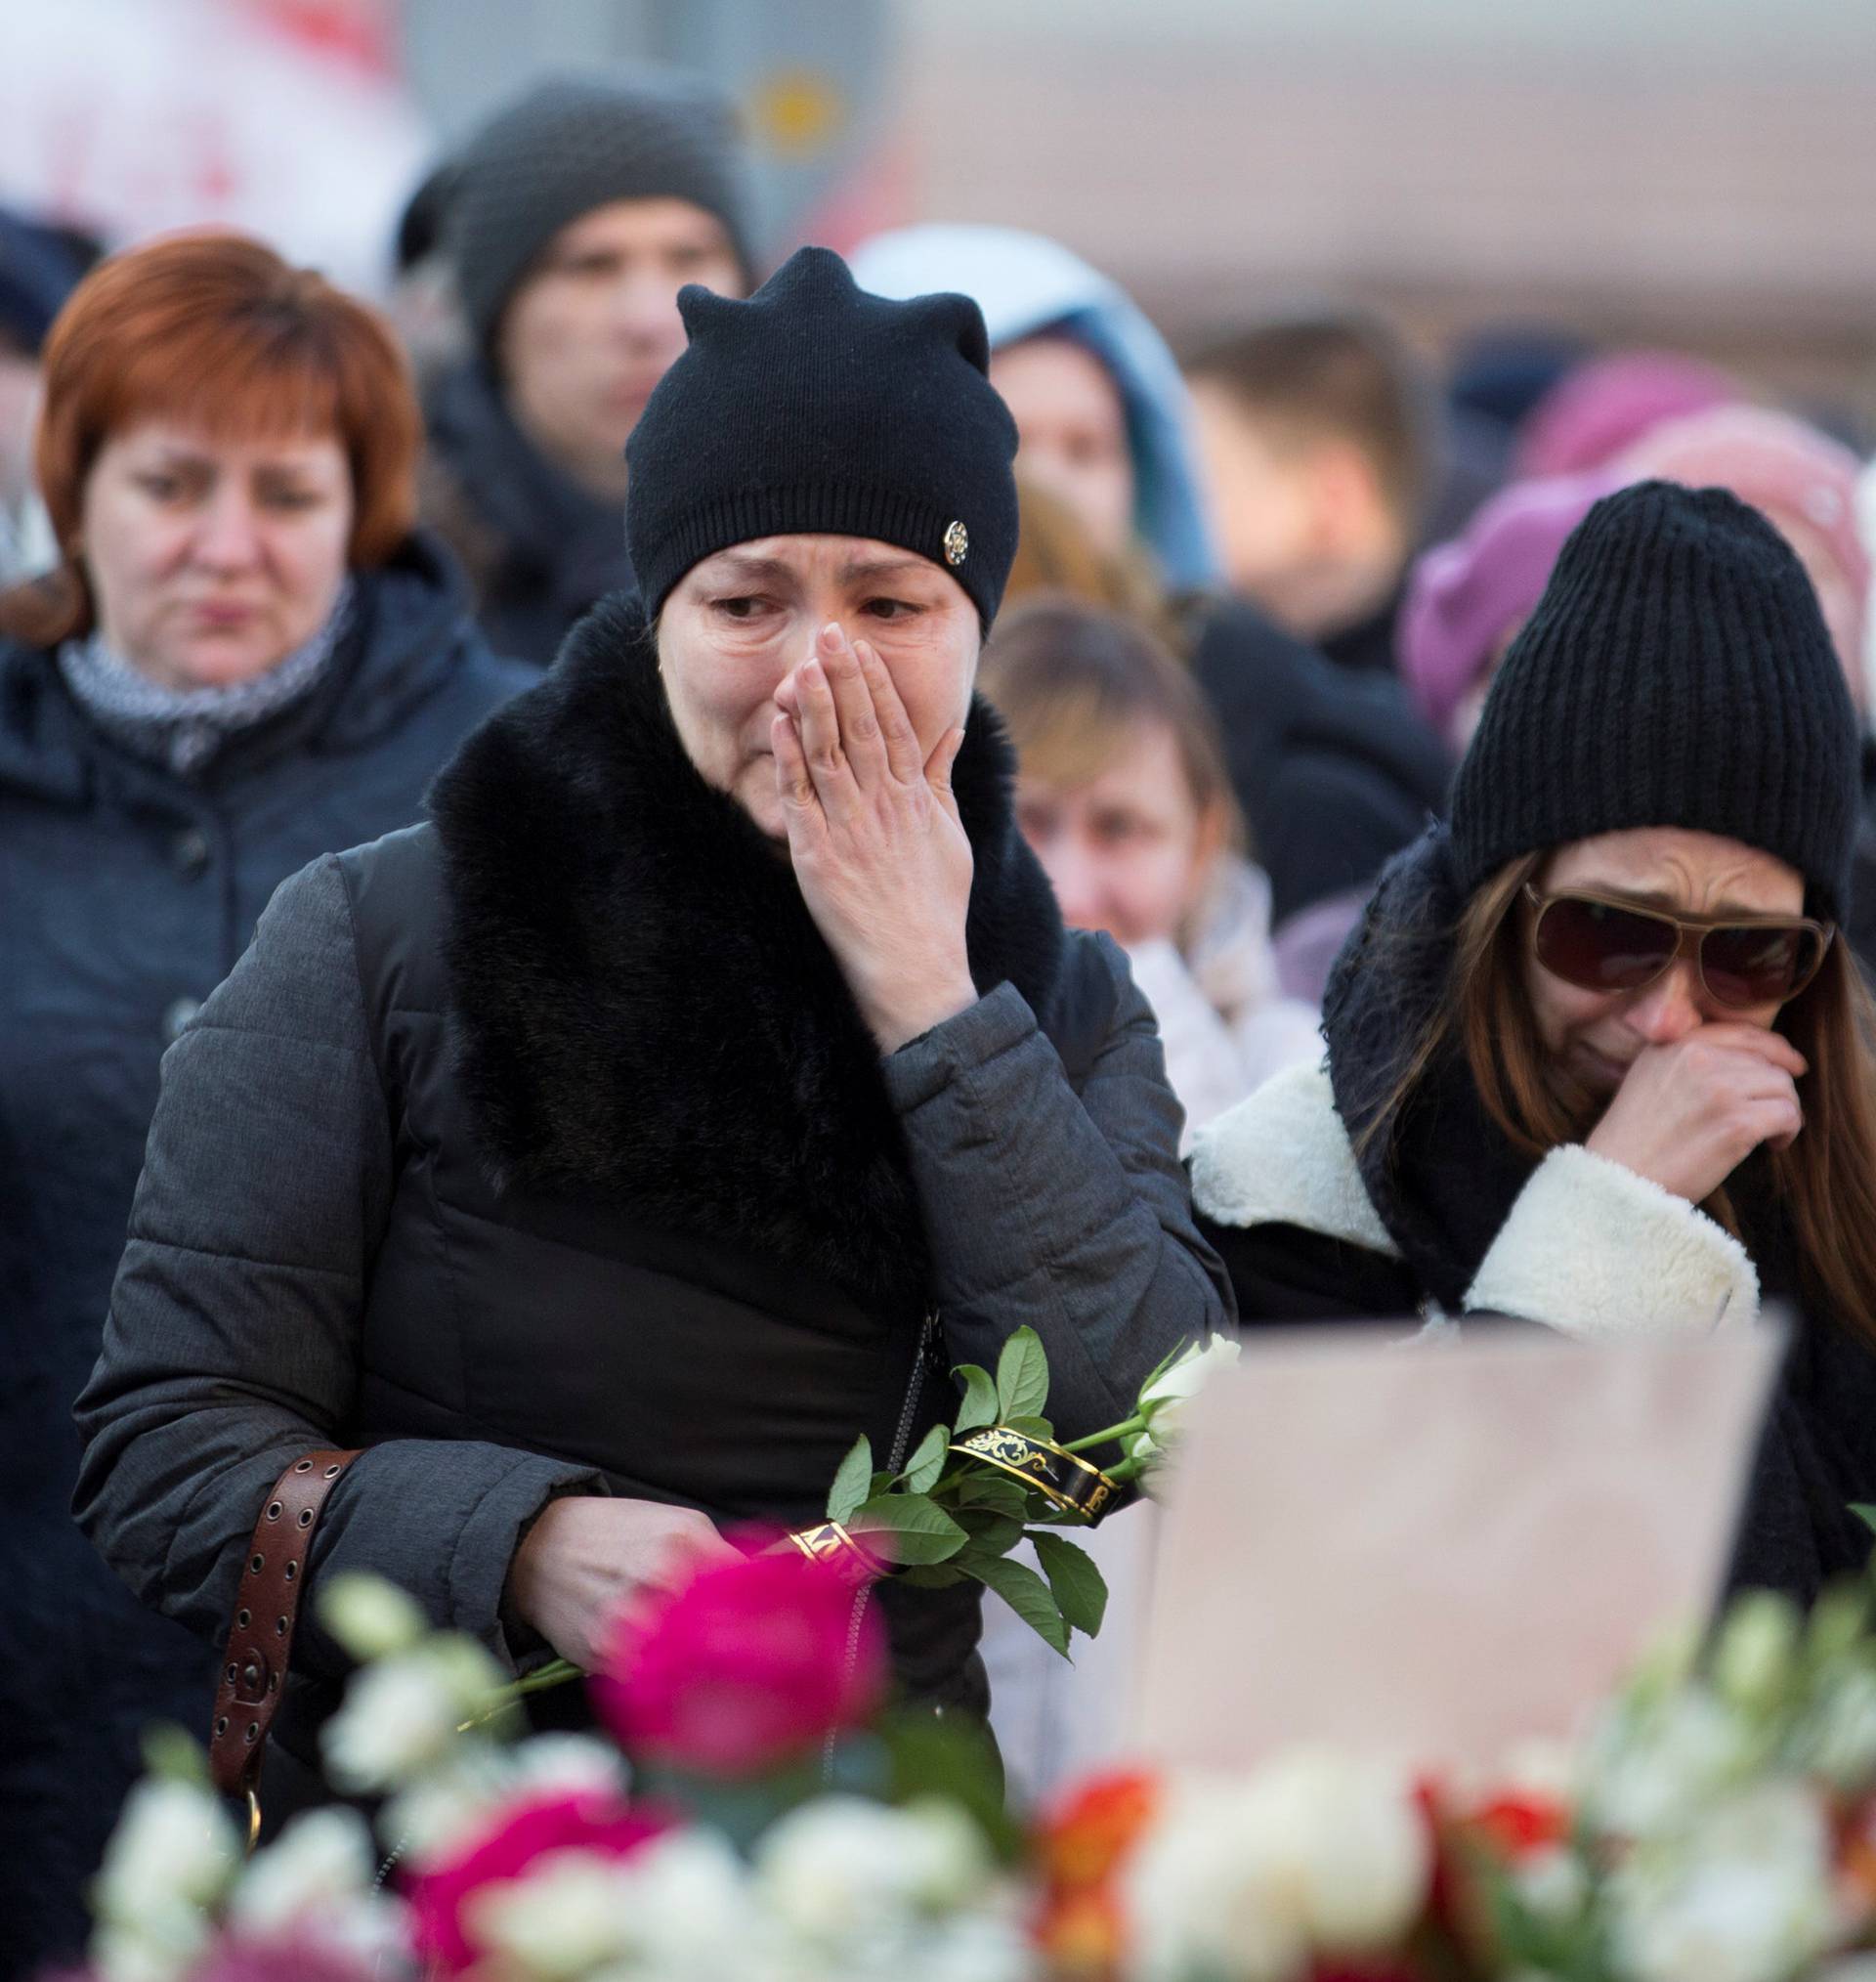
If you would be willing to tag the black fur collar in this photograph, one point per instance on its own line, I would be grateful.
(645, 1012)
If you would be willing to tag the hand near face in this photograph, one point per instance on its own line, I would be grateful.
(1688, 1114)
(878, 849)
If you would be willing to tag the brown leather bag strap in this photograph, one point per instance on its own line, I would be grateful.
(260, 1639)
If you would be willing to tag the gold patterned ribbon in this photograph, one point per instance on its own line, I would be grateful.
(1064, 1478)
(829, 1542)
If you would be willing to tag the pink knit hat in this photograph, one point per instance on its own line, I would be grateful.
(1804, 481)
(1465, 596)
(1594, 413)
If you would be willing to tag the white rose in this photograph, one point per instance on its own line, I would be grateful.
(1743, 1895)
(1165, 1400)
(1345, 1842)
(842, 1868)
(1837, 1735)
(370, 1617)
(1651, 1766)
(569, 1916)
(1195, 1902)
(401, 1717)
(319, 1860)
(169, 1861)
(688, 1906)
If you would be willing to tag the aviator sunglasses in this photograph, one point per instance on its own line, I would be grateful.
(1600, 943)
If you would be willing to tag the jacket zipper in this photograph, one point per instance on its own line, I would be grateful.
(895, 1460)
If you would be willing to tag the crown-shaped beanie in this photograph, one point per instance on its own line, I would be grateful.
(814, 406)
(1677, 672)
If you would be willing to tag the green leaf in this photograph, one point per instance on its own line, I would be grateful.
(175, 1755)
(1077, 1585)
(1022, 1377)
(1031, 1427)
(954, 1760)
(928, 1461)
(979, 1407)
(908, 1529)
(1865, 1511)
(1026, 1593)
(995, 1491)
(991, 1533)
(851, 1481)
(939, 1576)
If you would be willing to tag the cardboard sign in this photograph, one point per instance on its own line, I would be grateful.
(1433, 1551)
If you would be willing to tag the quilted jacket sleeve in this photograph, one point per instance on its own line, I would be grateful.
(232, 1344)
(1065, 1211)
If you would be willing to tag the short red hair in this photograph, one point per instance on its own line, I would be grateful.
(216, 331)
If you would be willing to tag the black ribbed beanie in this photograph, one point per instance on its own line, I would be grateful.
(569, 143)
(815, 407)
(1677, 672)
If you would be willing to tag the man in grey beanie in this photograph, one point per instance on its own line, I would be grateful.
(571, 220)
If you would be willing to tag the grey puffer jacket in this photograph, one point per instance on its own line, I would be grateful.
(542, 1148)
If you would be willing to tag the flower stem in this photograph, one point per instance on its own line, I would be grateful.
(1136, 1423)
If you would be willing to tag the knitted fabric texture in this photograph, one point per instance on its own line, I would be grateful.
(185, 729)
(815, 407)
(1677, 672)
(572, 143)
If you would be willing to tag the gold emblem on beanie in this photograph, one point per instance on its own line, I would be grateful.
(956, 542)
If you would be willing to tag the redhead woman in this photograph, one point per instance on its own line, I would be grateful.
(244, 659)
(1597, 1057)
(711, 1076)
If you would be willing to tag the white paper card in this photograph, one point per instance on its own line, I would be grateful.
(1434, 1550)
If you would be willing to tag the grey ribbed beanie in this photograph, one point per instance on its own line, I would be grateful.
(1677, 672)
(572, 142)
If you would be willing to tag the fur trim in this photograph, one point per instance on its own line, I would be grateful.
(1596, 1252)
(1282, 1157)
(644, 1010)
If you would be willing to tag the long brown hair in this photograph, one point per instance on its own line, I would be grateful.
(1826, 1179)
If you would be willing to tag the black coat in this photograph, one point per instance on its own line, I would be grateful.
(1334, 770)
(1330, 1201)
(540, 552)
(126, 894)
(557, 1133)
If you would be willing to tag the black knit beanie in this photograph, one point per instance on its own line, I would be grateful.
(815, 407)
(1677, 672)
(569, 143)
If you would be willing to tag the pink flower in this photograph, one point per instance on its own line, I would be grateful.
(294, 1958)
(504, 1849)
(751, 1664)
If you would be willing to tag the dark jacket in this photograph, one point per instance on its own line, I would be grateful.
(1327, 1199)
(540, 552)
(125, 896)
(1334, 770)
(556, 1134)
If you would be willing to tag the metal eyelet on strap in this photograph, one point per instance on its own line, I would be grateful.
(306, 1517)
(291, 1571)
(220, 1725)
(332, 1472)
(303, 1465)
(258, 1564)
(242, 1618)
(273, 1510)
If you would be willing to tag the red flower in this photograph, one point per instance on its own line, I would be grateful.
(512, 1840)
(751, 1664)
(1083, 1844)
(1513, 1826)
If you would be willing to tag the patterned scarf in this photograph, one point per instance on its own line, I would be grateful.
(185, 729)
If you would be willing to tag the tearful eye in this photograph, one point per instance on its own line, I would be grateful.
(742, 608)
(891, 610)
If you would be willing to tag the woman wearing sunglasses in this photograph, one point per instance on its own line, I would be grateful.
(1596, 1058)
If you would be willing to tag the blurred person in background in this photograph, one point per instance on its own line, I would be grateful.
(1331, 772)
(1468, 600)
(570, 221)
(1597, 1059)
(1804, 483)
(244, 659)
(1601, 408)
(1122, 795)
(1320, 435)
(38, 270)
